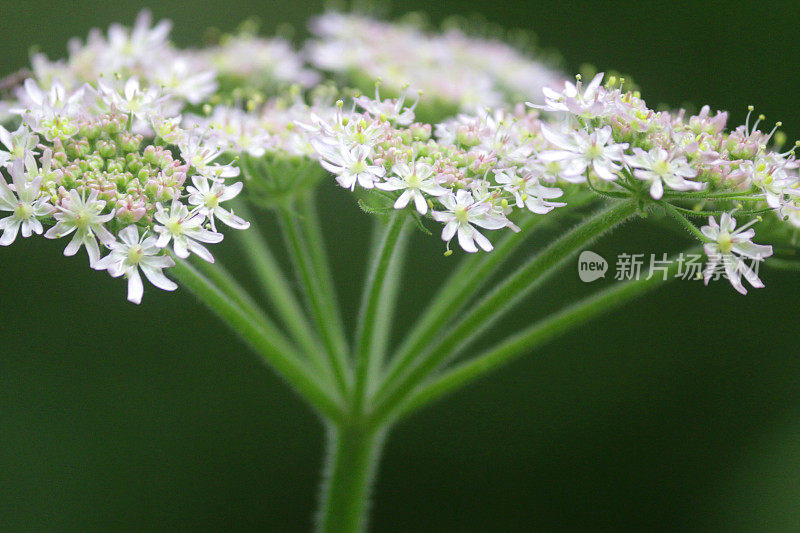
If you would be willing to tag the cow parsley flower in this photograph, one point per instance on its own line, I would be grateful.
(580, 151)
(24, 203)
(413, 179)
(463, 213)
(207, 194)
(84, 217)
(729, 247)
(185, 230)
(350, 164)
(659, 167)
(132, 253)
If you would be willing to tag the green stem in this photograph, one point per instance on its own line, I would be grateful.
(497, 303)
(315, 295)
(276, 289)
(279, 355)
(534, 336)
(353, 454)
(312, 231)
(367, 353)
(469, 276)
(387, 307)
(683, 221)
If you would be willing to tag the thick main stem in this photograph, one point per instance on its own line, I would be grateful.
(350, 468)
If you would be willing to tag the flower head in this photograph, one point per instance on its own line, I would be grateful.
(729, 247)
(133, 253)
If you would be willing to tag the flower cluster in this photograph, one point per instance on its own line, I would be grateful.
(612, 141)
(452, 68)
(470, 172)
(142, 52)
(108, 168)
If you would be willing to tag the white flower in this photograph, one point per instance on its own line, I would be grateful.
(350, 165)
(414, 180)
(580, 150)
(186, 231)
(659, 167)
(729, 246)
(131, 254)
(574, 99)
(207, 197)
(529, 192)
(133, 100)
(462, 212)
(17, 143)
(24, 203)
(83, 217)
(392, 110)
(199, 153)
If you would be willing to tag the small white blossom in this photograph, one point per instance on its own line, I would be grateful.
(529, 192)
(574, 99)
(659, 167)
(84, 217)
(132, 253)
(350, 165)
(413, 179)
(462, 212)
(200, 154)
(207, 197)
(132, 99)
(580, 151)
(185, 230)
(729, 247)
(24, 203)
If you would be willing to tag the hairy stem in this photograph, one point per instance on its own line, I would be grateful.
(351, 465)
(367, 352)
(276, 289)
(316, 296)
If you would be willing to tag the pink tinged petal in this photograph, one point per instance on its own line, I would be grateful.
(449, 230)
(10, 233)
(157, 278)
(130, 235)
(483, 242)
(74, 245)
(163, 239)
(231, 220)
(752, 250)
(558, 139)
(232, 191)
(93, 250)
(420, 203)
(403, 200)
(465, 239)
(135, 287)
(200, 251)
(105, 236)
(732, 271)
(179, 245)
(603, 171)
(657, 189)
(105, 263)
(26, 229)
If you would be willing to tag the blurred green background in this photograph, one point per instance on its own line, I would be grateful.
(677, 413)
